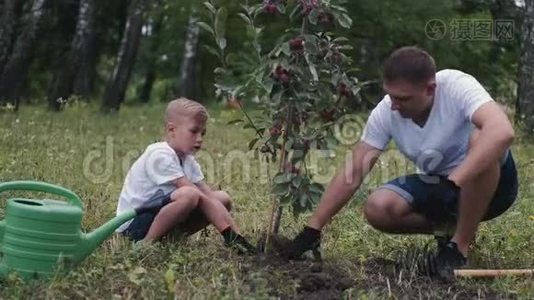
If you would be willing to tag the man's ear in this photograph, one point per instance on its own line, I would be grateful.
(431, 87)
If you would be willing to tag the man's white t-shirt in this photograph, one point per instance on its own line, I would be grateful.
(155, 170)
(441, 144)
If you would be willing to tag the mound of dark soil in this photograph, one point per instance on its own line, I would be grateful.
(330, 280)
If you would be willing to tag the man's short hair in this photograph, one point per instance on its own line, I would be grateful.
(183, 107)
(411, 64)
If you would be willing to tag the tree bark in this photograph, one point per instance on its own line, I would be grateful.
(150, 76)
(8, 22)
(525, 89)
(118, 82)
(187, 69)
(16, 69)
(84, 81)
(63, 81)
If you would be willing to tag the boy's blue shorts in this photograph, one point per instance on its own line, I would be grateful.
(140, 225)
(415, 188)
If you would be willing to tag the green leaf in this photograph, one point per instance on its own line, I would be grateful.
(236, 121)
(294, 11)
(316, 188)
(268, 84)
(206, 27)
(219, 71)
(252, 143)
(210, 7)
(289, 144)
(313, 16)
(303, 200)
(221, 42)
(282, 178)
(212, 51)
(281, 189)
(245, 18)
(313, 71)
(344, 20)
(220, 23)
(297, 181)
(297, 156)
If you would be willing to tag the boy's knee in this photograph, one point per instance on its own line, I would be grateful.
(188, 194)
(224, 198)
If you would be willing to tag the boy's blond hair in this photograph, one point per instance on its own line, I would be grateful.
(183, 107)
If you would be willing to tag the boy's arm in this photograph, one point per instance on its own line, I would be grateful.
(202, 187)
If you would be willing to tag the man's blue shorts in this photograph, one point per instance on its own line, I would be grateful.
(140, 225)
(415, 188)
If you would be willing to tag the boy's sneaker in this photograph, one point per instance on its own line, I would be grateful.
(241, 245)
(237, 242)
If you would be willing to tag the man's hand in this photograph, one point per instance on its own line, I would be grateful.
(308, 239)
(442, 202)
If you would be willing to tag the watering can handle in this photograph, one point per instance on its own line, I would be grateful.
(39, 186)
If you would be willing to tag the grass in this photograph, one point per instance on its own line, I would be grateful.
(90, 154)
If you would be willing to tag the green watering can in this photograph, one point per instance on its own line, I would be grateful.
(40, 237)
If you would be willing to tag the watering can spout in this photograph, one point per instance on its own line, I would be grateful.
(93, 239)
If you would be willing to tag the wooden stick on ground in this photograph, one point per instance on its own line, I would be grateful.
(473, 273)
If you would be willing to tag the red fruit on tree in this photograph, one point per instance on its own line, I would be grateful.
(296, 44)
(270, 8)
(343, 90)
(284, 78)
(327, 114)
(275, 131)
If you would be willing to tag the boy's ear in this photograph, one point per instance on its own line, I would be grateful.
(169, 126)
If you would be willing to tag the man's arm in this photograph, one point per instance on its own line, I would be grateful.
(344, 184)
(496, 135)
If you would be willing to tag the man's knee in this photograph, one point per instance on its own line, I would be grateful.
(382, 207)
(186, 194)
(224, 198)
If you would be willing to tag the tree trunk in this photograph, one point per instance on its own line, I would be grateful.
(150, 76)
(8, 22)
(85, 77)
(63, 81)
(525, 89)
(16, 69)
(187, 69)
(118, 82)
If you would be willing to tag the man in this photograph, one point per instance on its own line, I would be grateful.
(458, 137)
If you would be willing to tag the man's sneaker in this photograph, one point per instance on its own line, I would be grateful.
(443, 264)
(442, 240)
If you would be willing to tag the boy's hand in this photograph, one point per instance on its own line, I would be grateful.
(307, 239)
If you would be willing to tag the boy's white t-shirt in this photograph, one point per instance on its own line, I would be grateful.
(155, 170)
(441, 144)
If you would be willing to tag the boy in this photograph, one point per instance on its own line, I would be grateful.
(168, 174)
(450, 127)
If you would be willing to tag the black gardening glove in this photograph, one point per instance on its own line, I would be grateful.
(442, 264)
(442, 202)
(308, 239)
